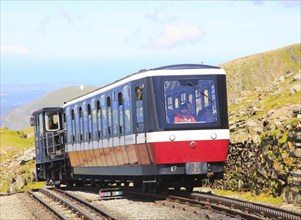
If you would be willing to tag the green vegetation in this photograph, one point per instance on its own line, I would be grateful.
(262, 198)
(33, 185)
(14, 142)
(261, 71)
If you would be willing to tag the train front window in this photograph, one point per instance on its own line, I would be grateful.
(190, 101)
(52, 120)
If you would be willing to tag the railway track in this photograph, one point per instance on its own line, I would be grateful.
(230, 207)
(260, 210)
(67, 206)
(198, 205)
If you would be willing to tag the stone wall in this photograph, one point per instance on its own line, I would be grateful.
(272, 165)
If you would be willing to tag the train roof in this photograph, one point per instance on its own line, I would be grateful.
(152, 72)
(186, 66)
(47, 109)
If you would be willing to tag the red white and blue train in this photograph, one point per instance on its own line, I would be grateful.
(125, 132)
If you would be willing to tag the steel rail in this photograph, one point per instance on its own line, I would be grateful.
(77, 210)
(102, 212)
(257, 208)
(56, 212)
(184, 199)
(223, 209)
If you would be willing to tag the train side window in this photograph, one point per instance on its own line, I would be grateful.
(120, 110)
(139, 107)
(104, 116)
(127, 110)
(115, 115)
(90, 119)
(73, 125)
(98, 119)
(94, 135)
(109, 117)
(81, 124)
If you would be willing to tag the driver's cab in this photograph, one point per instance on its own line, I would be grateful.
(49, 133)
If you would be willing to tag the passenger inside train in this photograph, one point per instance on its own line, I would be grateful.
(206, 115)
(185, 115)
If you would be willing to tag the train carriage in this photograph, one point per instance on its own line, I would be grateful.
(129, 131)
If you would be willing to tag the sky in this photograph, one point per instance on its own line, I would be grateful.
(98, 42)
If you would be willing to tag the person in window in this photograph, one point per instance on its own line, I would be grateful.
(184, 116)
(206, 115)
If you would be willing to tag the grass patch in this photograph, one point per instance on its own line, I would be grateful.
(36, 185)
(13, 142)
(262, 198)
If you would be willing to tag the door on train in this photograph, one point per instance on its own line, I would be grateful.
(139, 113)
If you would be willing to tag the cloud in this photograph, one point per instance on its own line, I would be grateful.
(61, 17)
(14, 49)
(176, 34)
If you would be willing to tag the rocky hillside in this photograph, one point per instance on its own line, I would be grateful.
(265, 124)
(16, 159)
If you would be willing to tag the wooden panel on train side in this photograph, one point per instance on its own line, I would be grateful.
(79, 156)
(129, 141)
(72, 158)
(117, 150)
(132, 153)
(88, 157)
(143, 154)
(123, 151)
(112, 153)
(118, 154)
(75, 156)
(98, 157)
(94, 146)
(82, 155)
(142, 149)
(102, 155)
(91, 155)
(107, 152)
(151, 153)
(124, 154)
(96, 149)
(93, 161)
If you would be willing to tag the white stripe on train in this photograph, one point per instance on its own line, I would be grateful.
(153, 137)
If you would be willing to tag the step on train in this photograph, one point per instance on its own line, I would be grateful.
(165, 127)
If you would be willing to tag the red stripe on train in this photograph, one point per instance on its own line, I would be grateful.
(189, 151)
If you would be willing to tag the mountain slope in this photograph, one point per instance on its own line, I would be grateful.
(261, 70)
(19, 118)
(262, 87)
